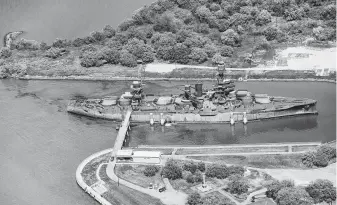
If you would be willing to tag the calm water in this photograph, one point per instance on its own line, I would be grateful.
(41, 144)
(45, 20)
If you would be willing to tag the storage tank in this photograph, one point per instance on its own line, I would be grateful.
(198, 89)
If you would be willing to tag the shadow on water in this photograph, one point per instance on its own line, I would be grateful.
(202, 134)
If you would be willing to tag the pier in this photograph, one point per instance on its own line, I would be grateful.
(123, 131)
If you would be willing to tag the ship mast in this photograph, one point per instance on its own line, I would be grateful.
(221, 70)
(141, 69)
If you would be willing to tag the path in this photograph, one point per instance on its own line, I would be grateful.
(167, 197)
(121, 133)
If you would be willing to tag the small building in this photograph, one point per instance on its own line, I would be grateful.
(148, 157)
(124, 154)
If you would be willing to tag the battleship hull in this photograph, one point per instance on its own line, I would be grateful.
(283, 107)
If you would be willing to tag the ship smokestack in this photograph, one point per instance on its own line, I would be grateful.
(198, 89)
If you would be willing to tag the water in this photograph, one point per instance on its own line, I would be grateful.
(46, 20)
(42, 145)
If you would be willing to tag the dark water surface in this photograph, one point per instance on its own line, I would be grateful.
(45, 20)
(42, 145)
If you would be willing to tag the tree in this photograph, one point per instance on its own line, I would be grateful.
(5, 52)
(238, 170)
(126, 24)
(195, 41)
(324, 34)
(44, 46)
(203, 13)
(137, 47)
(55, 52)
(271, 33)
(190, 178)
(165, 23)
(230, 38)
(198, 55)
(329, 12)
(127, 59)
(24, 44)
(275, 186)
(226, 51)
(148, 57)
(114, 44)
(239, 186)
(78, 42)
(190, 166)
(217, 58)
(263, 18)
(322, 191)
(294, 13)
(201, 166)
(293, 195)
(171, 170)
(181, 53)
(108, 31)
(214, 7)
(219, 171)
(97, 35)
(90, 59)
(194, 199)
(110, 55)
(61, 43)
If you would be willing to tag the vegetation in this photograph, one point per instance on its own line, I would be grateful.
(201, 32)
(150, 171)
(172, 170)
(5, 52)
(321, 157)
(238, 185)
(322, 191)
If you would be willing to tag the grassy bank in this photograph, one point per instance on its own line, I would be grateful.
(120, 194)
(258, 161)
(135, 175)
(89, 170)
(189, 151)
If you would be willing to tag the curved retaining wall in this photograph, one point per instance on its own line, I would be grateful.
(81, 182)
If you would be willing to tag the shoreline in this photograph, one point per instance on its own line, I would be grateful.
(89, 78)
(86, 187)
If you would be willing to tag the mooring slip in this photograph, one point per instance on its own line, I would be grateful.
(123, 130)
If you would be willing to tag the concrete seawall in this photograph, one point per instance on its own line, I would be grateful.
(81, 182)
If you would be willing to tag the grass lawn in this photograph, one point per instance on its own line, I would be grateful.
(135, 175)
(188, 151)
(265, 201)
(223, 198)
(122, 195)
(89, 170)
(259, 161)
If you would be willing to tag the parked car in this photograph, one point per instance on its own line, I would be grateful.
(162, 189)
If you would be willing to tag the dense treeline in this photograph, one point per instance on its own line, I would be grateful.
(202, 31)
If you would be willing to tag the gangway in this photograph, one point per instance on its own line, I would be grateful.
(123, 130)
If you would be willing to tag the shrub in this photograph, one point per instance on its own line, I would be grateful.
(329, 12)
(89, 48)
(114, 44)
(239, 186)
(235, 177)
(321, 160)
(137, 47)
(324, 34)
(263, 18)
(198, 177)
(328, 151)
(308, 159)
(226, 51)
(195, 41)
(194, 199)
(230, 38)
(150, 171)
(125, 25)
(61, 43)
(91, 59)
(217, 171)
(108, 31)
(110, 55)
(55, 52)
(190, 166)
(273, 33)
(181, 53)
(148, 57)
(322, 191)
(5, 52)
(127, 59)
(171, 170)
(201, 166)
(88, 40)
(198, 55)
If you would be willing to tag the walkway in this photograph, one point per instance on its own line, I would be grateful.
(122, 133)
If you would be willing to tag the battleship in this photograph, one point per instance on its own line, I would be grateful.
(220, 104)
